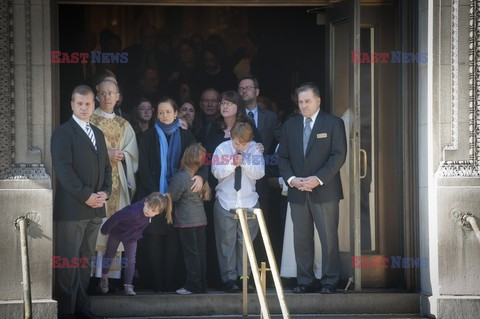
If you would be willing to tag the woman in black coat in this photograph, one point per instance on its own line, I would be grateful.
(161, 149)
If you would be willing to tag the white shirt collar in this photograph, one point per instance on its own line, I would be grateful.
(313, 117)
(105, 114)
(80, 122)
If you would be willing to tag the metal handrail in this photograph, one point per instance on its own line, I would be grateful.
(248, 247)
(21, 223)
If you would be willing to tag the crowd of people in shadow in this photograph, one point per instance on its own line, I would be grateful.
(186, 137)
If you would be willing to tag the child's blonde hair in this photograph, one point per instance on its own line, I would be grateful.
(159, 202)
(192, 161)
(242, 131)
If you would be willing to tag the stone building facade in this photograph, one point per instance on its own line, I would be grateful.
(448, 152)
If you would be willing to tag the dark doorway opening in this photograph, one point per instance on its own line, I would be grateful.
(289, 44)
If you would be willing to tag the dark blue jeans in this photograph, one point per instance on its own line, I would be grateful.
(194, 254)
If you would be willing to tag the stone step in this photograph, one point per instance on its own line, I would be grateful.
(309, 316)
(147, 304)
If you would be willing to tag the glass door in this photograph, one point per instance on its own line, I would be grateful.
(343, 82)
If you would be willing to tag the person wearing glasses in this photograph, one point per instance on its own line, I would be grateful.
(270, 128)
(123, 154)
(141, 117)
(231, 111)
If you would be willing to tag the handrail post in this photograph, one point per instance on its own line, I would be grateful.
(271, 260)
(253, 261)
(244, 280)
(263, 277)
(21, 223)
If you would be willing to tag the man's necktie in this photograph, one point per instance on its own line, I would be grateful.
(307, 130)
(250, 113)
(91, 135)
(238, 178)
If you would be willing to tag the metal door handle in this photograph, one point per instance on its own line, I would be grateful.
(364, 162)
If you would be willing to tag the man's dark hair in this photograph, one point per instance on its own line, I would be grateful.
(250, 77)
(309, 86)
(82, 90)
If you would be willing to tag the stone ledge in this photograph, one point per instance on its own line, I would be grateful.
(149, 304)
(19, 184)
(42, 308)
(465, 307)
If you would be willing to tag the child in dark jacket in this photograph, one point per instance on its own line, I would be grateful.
(190, 219)
(126, 226)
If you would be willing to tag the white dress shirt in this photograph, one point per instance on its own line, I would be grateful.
(82, 123)
(253, 168)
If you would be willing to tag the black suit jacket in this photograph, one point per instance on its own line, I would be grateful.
(270, 129)
(80, 171)
(325, 155)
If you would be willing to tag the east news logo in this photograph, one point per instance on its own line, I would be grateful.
(83, 57)
(389, 57)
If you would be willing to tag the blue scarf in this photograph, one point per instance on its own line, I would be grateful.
(169, 153)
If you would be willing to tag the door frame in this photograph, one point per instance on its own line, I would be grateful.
(408, 14)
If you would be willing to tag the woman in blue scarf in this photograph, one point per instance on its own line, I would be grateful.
(161, 149)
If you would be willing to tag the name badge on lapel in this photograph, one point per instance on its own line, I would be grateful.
(322, 135)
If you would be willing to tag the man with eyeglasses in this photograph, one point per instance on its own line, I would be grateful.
(266, 121)
(270, 128)
(123, 154)
(108, 75)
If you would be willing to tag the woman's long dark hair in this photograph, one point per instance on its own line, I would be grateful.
(235, 98)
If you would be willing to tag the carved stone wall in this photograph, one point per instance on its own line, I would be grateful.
(7, 129)
(25, 89)
(467, 167)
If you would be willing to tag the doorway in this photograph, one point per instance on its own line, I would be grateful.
(293, 47)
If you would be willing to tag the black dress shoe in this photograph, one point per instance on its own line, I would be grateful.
(250, 286)
(327, 290)
(231, 286)
(303, 289)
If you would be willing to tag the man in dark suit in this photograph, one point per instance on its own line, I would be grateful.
(312, 150)
(84, 181)
(270, 128)
(266, 121)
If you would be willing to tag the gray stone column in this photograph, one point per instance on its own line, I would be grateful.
(453, 126)
(25, 130)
